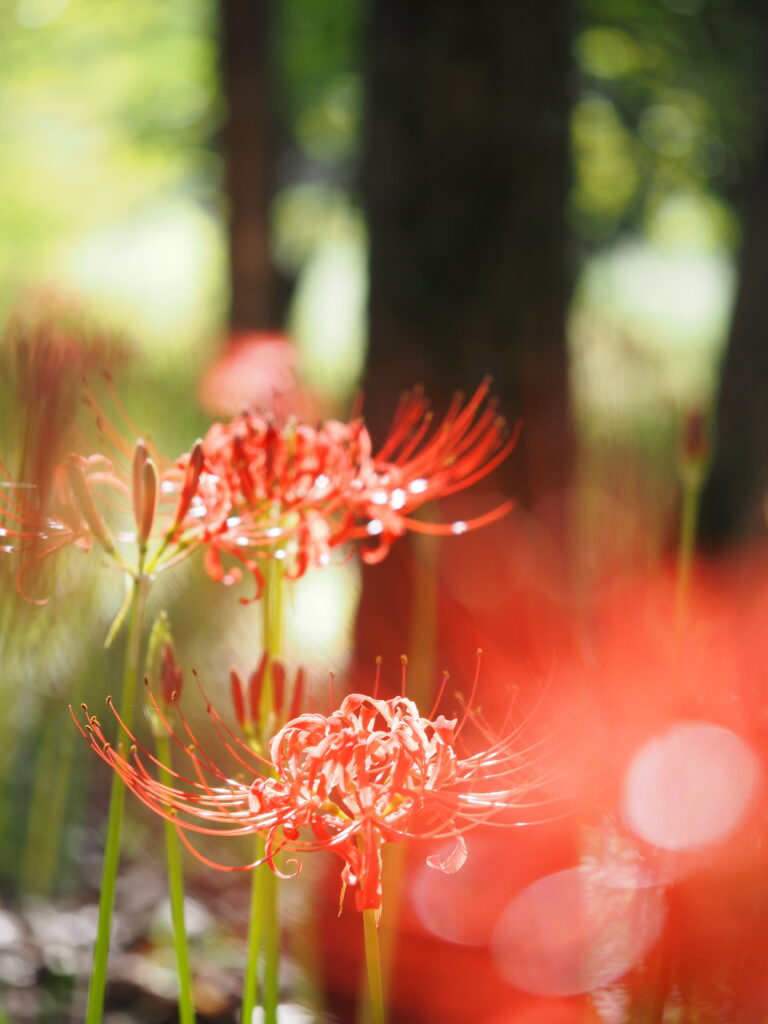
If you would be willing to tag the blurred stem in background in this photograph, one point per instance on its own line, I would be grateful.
(43, 852)
(694, 461)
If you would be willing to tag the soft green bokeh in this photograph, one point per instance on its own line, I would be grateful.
(662, 128)
(110, 176)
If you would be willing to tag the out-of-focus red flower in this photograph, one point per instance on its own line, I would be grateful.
(144, 518)
(372, 771)
(41, 531)
(47, 347)
(260, 371)
(302, 491)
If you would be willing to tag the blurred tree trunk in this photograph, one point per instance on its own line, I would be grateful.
(733, 498)
(465, 179)
(248, 152)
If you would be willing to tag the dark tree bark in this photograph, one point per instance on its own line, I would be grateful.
(248, 145)
(732, 506)
(465, 178)
(733, 498)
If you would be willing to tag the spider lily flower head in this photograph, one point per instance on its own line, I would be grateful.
(370, 772)
(299, 492)
(291, 490)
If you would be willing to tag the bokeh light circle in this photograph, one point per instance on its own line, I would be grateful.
(464, 907)
(689, 786)
(567, 933)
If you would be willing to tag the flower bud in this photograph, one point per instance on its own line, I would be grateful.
(140, 456)
(238, 702)
(170, 676)
(255, 688)
(162, 672)
(144, 492)
(191, 481)
(297, 697)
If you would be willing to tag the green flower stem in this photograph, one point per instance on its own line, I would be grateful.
(393, 872)
(97, 988)
(273, 642)
(250, 983)
(176, 891)
(271, 943)
(272, 607)
(376, 1013)
(264, 921)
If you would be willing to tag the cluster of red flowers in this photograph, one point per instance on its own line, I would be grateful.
(370, 772)
(251, 490)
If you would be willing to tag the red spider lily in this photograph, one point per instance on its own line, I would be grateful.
(252, 491)
(298, 492)
(291, 490)
(371, 772)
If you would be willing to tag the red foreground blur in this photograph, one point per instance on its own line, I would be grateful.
(642, 881)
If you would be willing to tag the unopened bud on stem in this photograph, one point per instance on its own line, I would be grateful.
(191, 480)
(144, 492)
